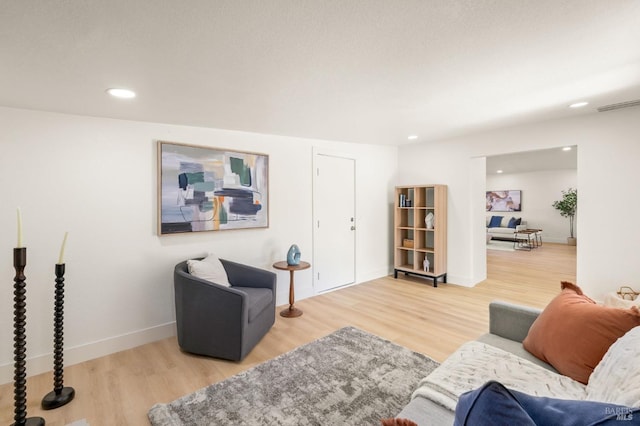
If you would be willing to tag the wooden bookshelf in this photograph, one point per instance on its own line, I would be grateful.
(413, 240)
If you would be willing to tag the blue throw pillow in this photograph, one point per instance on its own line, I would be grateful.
(494, 404)
(513, 222)
(495, 221)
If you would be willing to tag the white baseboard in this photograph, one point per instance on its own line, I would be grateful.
(74, 355)
(554, 240)
(461, 281)
(368, 277)
(373, 275)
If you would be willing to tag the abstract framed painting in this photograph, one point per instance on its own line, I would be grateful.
(211, 189)
(504, 201)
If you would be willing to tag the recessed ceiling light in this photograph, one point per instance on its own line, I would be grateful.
(121, 93)
(498, 171)
(412, 137)
(566, 148)
(578, 104)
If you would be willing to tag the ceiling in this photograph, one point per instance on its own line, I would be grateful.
(369, 71)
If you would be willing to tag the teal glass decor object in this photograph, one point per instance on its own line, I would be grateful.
(293, 255)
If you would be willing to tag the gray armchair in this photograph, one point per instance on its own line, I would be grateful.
(224, 322)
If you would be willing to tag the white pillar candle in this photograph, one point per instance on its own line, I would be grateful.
(19, 229)
(64, 243)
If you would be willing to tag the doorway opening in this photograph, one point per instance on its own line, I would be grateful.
(520, 190)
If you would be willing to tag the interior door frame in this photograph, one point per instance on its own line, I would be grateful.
(317, 151)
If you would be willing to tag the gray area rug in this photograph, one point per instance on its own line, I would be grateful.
(349, 377)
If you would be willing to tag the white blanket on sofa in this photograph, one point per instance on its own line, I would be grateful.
(475, 363)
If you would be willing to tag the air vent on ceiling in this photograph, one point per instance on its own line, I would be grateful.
(619, 105)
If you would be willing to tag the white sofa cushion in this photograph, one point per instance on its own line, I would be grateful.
(505, 231)
(616, 379)
(612, 299)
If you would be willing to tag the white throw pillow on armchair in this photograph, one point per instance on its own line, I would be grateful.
(616, 378)
(210, 268)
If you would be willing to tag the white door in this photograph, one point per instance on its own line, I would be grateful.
(334, 240)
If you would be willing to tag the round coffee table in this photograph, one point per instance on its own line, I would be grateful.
(291, 311)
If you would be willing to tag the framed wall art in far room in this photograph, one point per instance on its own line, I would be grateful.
(211, 189)
(504, 201)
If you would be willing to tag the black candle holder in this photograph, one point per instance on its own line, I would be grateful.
(20, 342)
(60, 395)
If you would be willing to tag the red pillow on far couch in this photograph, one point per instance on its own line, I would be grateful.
(573, 332)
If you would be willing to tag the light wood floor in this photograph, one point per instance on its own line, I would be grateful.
(120, 388)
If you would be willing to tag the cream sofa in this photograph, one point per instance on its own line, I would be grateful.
(504, 232)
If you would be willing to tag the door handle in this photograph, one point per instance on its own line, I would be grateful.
(353, 228)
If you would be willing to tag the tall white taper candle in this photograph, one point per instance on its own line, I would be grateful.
(64, 243)
(19, 229)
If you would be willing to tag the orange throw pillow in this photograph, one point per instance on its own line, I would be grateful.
(398, 422)
(573, 332)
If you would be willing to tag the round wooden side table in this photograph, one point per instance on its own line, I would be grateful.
(291, 311)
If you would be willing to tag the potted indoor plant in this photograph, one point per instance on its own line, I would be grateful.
(568, 207)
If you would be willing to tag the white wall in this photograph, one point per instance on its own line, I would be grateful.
(96, 178)
(539, 190)
(608, 174)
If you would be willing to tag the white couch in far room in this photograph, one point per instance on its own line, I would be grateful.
(504, 231)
